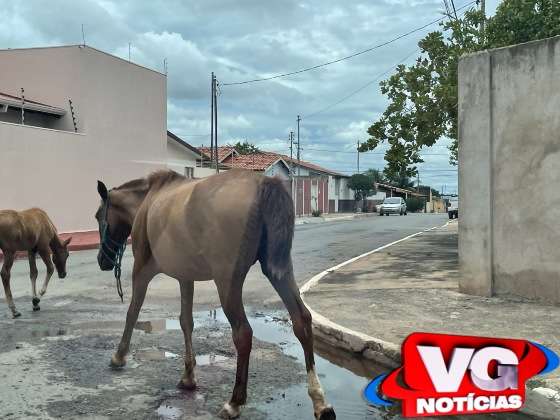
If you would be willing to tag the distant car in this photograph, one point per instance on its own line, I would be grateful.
(453, 209)
(393, 205)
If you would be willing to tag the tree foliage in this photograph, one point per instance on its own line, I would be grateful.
(423, 96)
(362, 185)
(246, 148)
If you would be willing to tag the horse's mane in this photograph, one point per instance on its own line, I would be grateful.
(163, 177)
(155, 180)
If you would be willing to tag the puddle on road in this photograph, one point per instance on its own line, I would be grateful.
(166, 411)
(343, 376)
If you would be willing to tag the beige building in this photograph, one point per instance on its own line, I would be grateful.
(185, 159)
(52, 157)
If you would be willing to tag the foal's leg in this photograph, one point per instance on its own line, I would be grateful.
(283, 282)
(188, 381)
(232, 303)
(46, 257)
(142, 273)
(33, 273)
(5, 273)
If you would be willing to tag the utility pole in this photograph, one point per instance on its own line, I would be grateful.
(291, 138)
(358, 149)
(298, 163)
(212, 120)
(216, 123)
(417, 181)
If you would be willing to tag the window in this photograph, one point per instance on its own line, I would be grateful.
(189, 172)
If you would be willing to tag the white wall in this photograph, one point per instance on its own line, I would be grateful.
(179, 157)
(279, 170)
(122, 122)
(509, 150)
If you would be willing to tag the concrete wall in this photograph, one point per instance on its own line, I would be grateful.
(279, 170)
(179, 157)
(121, 113)
(509, 125)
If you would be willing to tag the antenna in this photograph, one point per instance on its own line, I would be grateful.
(129, 44)
(165, 65)
(83, 36)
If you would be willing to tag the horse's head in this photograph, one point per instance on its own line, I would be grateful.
(60, 255)
(113, 229)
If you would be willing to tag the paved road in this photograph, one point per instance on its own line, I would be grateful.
(54, 362)
(316, 247)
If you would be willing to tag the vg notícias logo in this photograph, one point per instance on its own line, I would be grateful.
(446, 374)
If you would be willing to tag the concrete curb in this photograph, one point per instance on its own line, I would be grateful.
(385, 353)
(538, 404)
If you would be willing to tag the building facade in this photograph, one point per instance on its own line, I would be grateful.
(53, 157)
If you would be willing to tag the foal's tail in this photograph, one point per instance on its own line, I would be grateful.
(277, 210)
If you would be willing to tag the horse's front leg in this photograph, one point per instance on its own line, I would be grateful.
(188, 381)
(46, 257)
(33, 273)
(142, 274)
(5, 274)
(232, 303)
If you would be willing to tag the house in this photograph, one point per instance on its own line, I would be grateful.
(53, 151)
(317, 188)
(185, 159)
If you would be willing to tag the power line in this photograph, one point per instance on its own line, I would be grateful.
(379, 76)
(262, 79)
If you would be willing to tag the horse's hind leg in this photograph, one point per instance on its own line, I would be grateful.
(5, 274)
(283, 282)
(188, 380)
(33, 273)
(230, 292)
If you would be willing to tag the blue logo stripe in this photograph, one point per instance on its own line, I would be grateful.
(371, 395)
(552, 360)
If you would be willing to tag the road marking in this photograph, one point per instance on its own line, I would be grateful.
(315, 279)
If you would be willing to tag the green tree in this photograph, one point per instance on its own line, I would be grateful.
(423, 96)
(246, 148)
(363, 187)
(425, 189)
(376, 175)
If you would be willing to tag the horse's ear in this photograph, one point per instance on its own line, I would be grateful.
(67, 241)
(102, 190)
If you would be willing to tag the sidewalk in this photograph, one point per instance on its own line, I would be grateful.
(372, 304)
(331, 217)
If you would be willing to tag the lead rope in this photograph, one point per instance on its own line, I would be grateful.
(118, 259)
(119, 252)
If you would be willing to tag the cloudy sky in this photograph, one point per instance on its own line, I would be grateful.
(248, 39)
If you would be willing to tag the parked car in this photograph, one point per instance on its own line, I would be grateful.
(393, 205)
(453, 209)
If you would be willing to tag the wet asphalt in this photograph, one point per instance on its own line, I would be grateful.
(54, 363)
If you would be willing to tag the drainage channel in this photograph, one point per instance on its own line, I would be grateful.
(343, 375)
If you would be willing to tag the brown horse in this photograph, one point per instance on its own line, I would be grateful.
(213, 228)
(32, 231)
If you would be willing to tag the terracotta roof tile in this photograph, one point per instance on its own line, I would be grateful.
(223, 152)
(261, 161)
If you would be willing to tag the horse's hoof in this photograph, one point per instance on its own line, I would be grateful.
(327, 413)
(186, 386)
(36, 308)
(35, 301)
(16, 314)
(229, 411)
(42, 292)
(117, 363)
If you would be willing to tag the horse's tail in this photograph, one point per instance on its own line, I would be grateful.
(277, 210)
